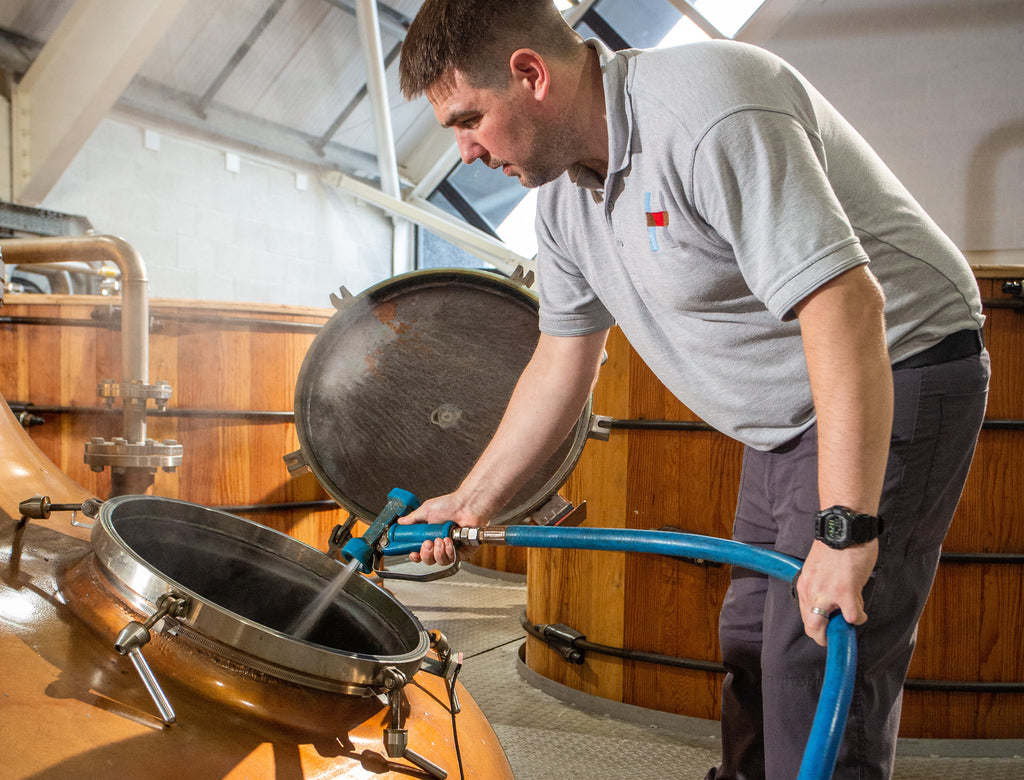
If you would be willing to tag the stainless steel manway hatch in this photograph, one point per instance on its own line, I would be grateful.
(405, 386)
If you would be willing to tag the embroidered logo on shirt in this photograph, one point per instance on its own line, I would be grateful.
(657, 217)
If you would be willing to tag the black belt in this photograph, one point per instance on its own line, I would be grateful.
(962, 344)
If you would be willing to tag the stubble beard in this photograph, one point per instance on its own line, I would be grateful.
(553, 149)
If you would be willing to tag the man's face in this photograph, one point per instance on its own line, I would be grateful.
(504, 129)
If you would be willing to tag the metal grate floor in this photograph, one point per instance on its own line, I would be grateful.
(570, 736)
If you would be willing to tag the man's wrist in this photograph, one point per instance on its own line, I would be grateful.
(840, 527)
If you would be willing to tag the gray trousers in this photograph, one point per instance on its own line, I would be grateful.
(774, 670)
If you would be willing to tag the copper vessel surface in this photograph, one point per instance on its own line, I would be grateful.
(73, 707)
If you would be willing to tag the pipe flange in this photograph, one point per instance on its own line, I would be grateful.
(135, 390)
(120, 453)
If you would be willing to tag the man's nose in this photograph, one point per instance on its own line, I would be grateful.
(469, 149)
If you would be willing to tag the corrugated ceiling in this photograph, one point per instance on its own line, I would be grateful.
(285, 75)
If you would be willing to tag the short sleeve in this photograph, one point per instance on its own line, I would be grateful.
(569, 306)
(760, 181)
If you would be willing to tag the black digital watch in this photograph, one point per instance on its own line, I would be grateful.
(839, 527)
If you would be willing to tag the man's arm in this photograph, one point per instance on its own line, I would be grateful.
(544, 406)
(843, 328)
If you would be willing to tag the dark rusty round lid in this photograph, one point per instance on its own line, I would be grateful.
(406, 383)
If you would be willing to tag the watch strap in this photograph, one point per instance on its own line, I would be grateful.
(857, 528)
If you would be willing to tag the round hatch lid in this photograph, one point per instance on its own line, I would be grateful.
(406, 383)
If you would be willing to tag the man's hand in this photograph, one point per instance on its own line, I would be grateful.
(834, 579)
(438, 510)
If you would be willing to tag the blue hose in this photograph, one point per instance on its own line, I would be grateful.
(837, 690)
(841, 662)
(663, 542)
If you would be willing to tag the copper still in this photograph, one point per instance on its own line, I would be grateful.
(219, 688)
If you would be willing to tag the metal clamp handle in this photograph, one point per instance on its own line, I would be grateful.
(429, 576)
(396, 738)
(133, 636)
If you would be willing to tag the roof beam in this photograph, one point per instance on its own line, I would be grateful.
(352, 105)
(386, 18)
(394, 22)
(769, 16)
(72, 84)
(162, 106)
(238, 56)
(422, 213)
(387, 160)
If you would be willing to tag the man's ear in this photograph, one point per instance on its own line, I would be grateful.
(530, 71)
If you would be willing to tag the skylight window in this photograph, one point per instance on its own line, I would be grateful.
(728, 16)
(517, 228)
(684, 31)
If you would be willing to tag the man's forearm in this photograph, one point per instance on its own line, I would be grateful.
(843, 331)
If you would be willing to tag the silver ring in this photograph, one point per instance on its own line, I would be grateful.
(820, 611)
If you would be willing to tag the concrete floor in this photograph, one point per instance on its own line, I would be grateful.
(550, 732)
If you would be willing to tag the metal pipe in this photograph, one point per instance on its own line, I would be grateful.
(612, 423)
(76, 268)
(111, 319)
(228, 321)
(483, 246)
(255, 415)
(134, 302)
(387, 160)
(1002, 303)
(60, 278)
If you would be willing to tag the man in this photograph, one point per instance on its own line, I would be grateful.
(781, 282)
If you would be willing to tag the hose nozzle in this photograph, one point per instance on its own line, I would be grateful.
(365, 548)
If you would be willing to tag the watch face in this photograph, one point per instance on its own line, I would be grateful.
(835, 526)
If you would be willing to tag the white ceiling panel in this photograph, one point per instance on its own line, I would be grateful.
(302, 70)
(288, 74)
(200, 43)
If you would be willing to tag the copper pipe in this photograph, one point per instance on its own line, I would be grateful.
(76, 268)
(134, 302)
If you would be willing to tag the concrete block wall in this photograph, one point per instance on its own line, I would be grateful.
(935, 86)
(264, 234)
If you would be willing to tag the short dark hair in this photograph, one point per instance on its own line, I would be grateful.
(477, 38)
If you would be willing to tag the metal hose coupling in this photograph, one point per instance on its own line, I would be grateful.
(477, 536)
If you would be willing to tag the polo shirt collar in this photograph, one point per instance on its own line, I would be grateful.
(619, 115)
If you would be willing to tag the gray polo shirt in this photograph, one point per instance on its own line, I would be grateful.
(734, 190)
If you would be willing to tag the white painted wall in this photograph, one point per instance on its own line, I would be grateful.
(937, 88)
(206, 233)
